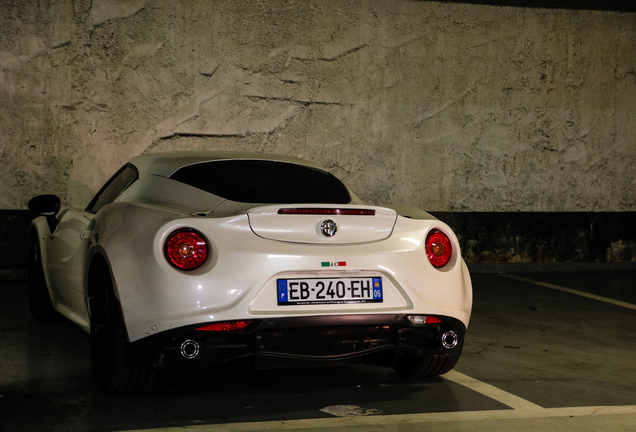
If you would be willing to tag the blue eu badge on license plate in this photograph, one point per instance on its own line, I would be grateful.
(282, 291)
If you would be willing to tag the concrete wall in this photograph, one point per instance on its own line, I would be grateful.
(449, 107)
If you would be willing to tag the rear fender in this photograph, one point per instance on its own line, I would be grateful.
(99, 264)
(468, 288)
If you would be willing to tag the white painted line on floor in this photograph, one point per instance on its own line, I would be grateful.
(404, 419)
(571, 291)
(490, 391)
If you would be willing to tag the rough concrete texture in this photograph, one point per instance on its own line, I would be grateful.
(445, 106)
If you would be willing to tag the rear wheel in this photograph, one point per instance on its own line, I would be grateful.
(412, 365)
(114, 365)
(39, 299)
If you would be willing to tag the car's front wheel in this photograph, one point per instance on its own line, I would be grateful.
(115, 368)
(39, 299)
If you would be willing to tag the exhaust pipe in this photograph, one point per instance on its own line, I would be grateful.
(189, 349)
(449, 340)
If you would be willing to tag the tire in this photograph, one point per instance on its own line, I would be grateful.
(414, 366)
(40, 302)
(115, 368)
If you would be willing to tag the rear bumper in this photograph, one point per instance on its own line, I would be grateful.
(304, 341)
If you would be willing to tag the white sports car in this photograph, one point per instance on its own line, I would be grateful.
(188, 259)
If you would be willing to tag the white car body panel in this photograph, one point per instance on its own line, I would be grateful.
(237, 283)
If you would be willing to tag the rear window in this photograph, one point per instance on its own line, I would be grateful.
(264, 182)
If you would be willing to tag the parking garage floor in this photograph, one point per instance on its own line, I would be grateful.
(544, 352)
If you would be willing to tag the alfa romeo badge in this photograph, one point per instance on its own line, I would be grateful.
(328, 228)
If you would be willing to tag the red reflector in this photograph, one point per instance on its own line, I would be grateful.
(327, 211)
(226, 326)
(432, 320)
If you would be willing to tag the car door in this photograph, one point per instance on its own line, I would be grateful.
(68, 247)
(62, 249)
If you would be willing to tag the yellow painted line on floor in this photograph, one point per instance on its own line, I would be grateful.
(572, 291)
(492, 392)
(404, 419)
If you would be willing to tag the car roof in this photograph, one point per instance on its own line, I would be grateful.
(166, 163)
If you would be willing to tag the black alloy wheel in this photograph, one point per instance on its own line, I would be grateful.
(115, 368)
(39, 299)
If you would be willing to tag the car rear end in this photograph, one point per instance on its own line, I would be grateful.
(289, 270)
(273, 286)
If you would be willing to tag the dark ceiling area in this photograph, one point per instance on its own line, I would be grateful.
(600, 5)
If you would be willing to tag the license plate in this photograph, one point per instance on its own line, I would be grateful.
(329, 290)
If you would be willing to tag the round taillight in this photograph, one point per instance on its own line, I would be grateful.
(438, 248)
(186, 250)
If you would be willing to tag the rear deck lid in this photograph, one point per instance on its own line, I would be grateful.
(322, 223)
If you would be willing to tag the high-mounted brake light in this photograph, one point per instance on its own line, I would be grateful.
(327, 211)
(186, 250)
(227, 326)
(438, 248)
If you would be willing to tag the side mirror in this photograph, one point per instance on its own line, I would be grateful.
(45, 205)
(48, 206)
